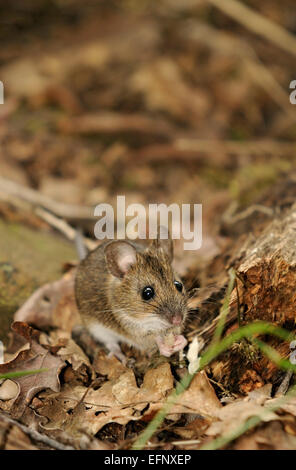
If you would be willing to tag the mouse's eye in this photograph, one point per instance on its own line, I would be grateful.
(148, 293)
(178, 285)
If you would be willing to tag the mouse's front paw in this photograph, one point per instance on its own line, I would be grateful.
(180, 343)
(168, 347)
(116, 351)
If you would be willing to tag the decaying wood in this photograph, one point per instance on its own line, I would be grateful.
(266, 270)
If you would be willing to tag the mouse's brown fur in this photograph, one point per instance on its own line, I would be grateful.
(111, 298)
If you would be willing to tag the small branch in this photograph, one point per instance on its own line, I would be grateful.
(63, 227)
(224, 44)
(200, 151)
(246, 148)
(17, 191)
(35, 435)
(258, 24)
(114, 123)
(284, 385)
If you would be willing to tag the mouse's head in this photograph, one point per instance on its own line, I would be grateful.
(146, 290)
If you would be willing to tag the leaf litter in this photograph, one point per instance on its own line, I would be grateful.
(139, 107)
(80, 395)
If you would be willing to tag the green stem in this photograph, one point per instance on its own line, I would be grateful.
(222, 441)
(12, 375)
(225, 307)
(248, 331)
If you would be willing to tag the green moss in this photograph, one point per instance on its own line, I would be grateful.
(28, 259)
(251, 180)
(218, 178)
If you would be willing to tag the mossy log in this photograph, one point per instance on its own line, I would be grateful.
(28, 259)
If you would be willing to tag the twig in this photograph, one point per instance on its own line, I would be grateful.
(184, 443)
(36, 199)
(63, 227)
(239, 48)
(112, 122)
(197, 150)
(230, 219)
(257, 23)
(37, 436)
(246, 148)
(285, 384)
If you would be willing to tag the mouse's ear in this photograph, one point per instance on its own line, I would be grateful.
(164, 242)
(120, 256)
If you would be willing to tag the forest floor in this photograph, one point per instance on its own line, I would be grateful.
(164, 102)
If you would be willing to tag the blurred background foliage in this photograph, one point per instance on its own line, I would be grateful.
(167, 101)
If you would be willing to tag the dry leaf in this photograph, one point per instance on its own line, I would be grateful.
(235, 414)
(199, 398)
(8, 390)
(52, 305)
(79, 410)
(16, 439)
(164, 88)
(36, 357)
(109, 366)
(270, 437)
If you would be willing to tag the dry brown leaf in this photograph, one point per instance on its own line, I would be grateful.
(8, 390)
(109, 366)
(270, 437)
(79, 410)
(199, 398)
(36, 357)
(194, 429)
(49, 70)
(289, 406)
(235, 414)
(52, 305)
(165, 89)
(66, 348)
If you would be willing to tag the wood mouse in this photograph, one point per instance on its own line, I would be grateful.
(127, 291)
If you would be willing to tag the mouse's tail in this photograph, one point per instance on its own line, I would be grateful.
(81, 249)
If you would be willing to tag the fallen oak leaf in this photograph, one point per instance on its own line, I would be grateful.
(78, 410)
(36, 357)
(109, 366)
(118, 400)
(272, 436)
(231, 416)
(194, 429)
(200, 398)
(9, 389)
(61, 345)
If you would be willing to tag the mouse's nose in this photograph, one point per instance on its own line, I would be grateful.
(177, 320)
